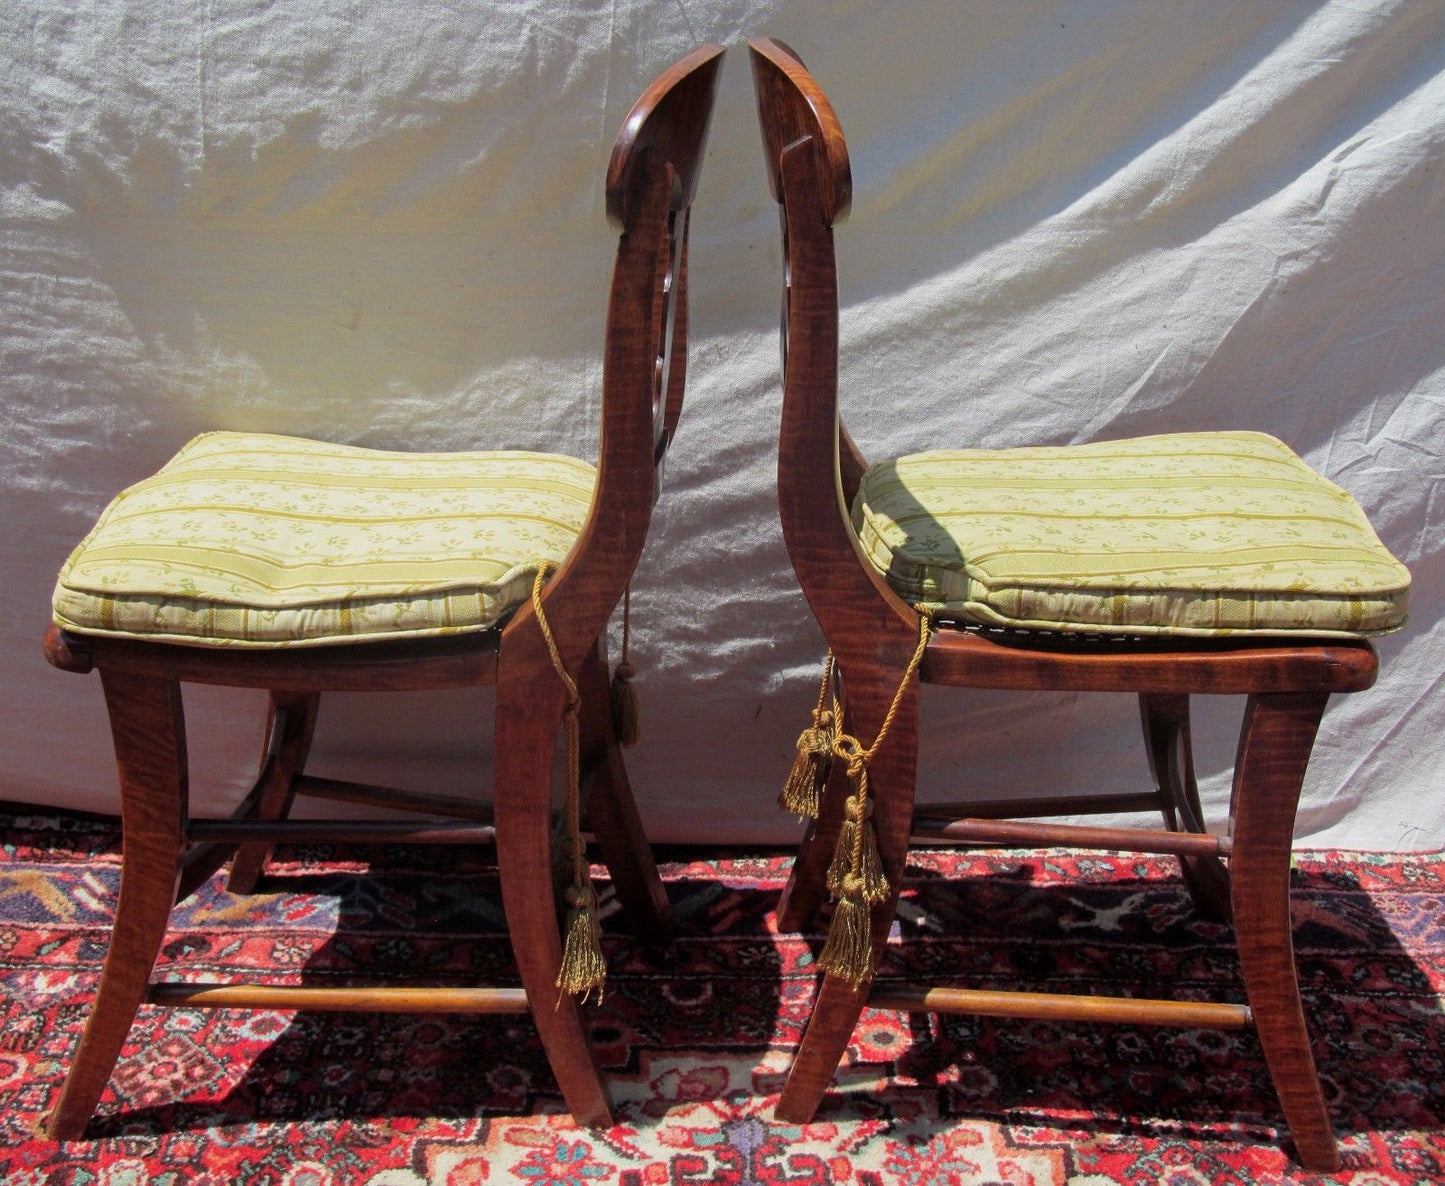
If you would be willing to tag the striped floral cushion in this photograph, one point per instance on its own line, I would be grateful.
(253, 540)
(1213, 533)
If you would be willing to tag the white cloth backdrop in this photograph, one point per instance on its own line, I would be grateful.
(382, 224)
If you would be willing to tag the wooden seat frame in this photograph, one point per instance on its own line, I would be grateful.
(1242, 876)
(651, 180)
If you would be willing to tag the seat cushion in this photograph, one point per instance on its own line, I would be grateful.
(253, 540)
(1215, 533)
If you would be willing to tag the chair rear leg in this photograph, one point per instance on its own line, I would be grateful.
(149, 731)
(1274, 748)
(293, 714)
(806, 890)
(1171, 760)
(891, 786)
(612, 811)
(527, 724)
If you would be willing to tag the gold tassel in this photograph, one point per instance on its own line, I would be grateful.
(624, 705)
(855, 875)
(848, 953)
(803, 792)
(870, 866)
(847, 841)
(583, 968)
(857, 853)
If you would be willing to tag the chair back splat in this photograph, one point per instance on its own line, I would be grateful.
(914, 571)
(301, 567)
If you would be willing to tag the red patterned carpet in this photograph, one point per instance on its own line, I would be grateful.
(696, 1036)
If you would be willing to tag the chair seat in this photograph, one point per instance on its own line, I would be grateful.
(1213, 533)
(254, 540)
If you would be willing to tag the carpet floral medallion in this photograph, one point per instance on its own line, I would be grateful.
(695, 1036)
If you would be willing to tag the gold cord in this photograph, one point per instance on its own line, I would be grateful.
(583, 969)
(856, 876)
(854, 747)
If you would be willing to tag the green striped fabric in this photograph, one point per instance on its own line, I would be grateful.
(1215, 533)
(254, 540)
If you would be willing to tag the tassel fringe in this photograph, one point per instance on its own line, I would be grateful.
(583, 968)
(858, 844)
(849, 950)
(870, 867)
(843, 854)
(803, 792)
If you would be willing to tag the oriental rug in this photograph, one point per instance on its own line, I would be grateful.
(695, 1036)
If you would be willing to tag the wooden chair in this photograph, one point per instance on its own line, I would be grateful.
(913, 601)
(300, 568)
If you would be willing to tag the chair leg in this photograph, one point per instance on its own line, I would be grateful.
(806, 890)
(294, 714)
(1171, 759)
(1274, 748)
(149, 731)
(891, 785)
(612, 812)
(525, 740)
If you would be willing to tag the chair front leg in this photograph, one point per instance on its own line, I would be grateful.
(149, 731)
(528, 715)
(294, 714)
(1171, 760)
(1274, 748)
(891, 775)
(612, 811)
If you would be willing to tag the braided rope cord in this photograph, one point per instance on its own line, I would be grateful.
(856, 877)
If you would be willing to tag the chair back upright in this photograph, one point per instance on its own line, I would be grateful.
(652, 177)
(792, 107)
(811, 179)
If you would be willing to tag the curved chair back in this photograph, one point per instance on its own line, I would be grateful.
(810, 178)
(792, 107)
(651, 180)
(670, 119)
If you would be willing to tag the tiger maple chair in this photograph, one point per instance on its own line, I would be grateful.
(907, 585)
(301, 567)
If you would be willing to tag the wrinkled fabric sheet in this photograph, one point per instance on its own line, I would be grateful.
(383, 225)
